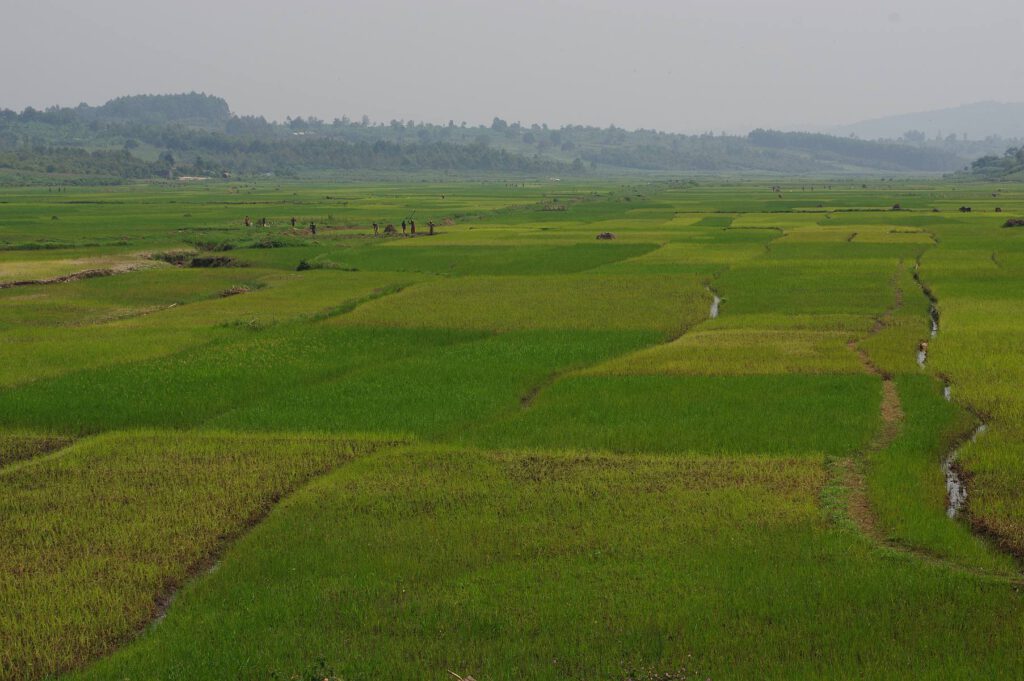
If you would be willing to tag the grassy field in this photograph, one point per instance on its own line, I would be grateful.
(714, 446)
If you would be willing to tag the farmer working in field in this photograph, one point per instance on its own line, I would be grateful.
(403, 226)
(412, 227)
(376, 229)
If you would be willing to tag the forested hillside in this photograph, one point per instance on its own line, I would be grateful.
(1008, 166)
(197, 135)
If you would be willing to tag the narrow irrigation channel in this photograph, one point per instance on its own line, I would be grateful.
(922, 349)
(956, 486)
(849, 474)
(933, 316)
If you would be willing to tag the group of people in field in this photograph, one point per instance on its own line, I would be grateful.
(408, 226)
(263, 222)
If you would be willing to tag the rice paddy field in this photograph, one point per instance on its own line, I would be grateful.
(747, 435)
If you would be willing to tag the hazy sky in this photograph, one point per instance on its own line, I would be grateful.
(683, 65)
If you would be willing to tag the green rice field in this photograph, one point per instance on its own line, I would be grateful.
(749, 435)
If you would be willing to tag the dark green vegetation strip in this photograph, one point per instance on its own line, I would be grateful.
(522, 259)
(434, 391)
(317, 377)
(96, 539)
(782, 414)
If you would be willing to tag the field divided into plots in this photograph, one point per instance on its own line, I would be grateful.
(716, 445)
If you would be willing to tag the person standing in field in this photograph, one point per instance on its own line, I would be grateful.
(312, 228)
(248, 221)
(376, 229)
(430, 224)
(412, 227)
(293, 222)
(403, 226)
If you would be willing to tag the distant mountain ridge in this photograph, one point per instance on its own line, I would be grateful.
(978, 121)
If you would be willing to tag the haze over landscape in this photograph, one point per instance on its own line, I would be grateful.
(690, 66)
(562, 340)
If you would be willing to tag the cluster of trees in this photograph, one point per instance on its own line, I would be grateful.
(195, 109)
(648, 149)
(706, 155)
(959, 145)
(196, 134)
(139, 134)
(278, 158)
(71, 161)
(881, 155)
(1010, 164)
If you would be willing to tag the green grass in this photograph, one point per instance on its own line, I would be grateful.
(769, 414)
(665, 304)
(979, 349)
(596, 479)
(572, 567)
(435, 392)
(19, 445)
(33, 354)
(98, 535)
(193, 386)
(719, 352)
(907, 487)
(894, 346)
(111, 298)
(404, 255)
(812, 286)
(22, 268)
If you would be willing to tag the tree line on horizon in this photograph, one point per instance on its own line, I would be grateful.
(148, 136)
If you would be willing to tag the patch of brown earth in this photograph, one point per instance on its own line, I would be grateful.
(75, 276)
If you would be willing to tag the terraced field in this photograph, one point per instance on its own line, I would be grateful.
(754, 435)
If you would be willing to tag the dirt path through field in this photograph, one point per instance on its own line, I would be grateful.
(852, 469)
(849, 474)
(78, 276)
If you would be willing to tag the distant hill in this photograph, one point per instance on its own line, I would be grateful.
(191, 109)
(196, 134)
(979, 121)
